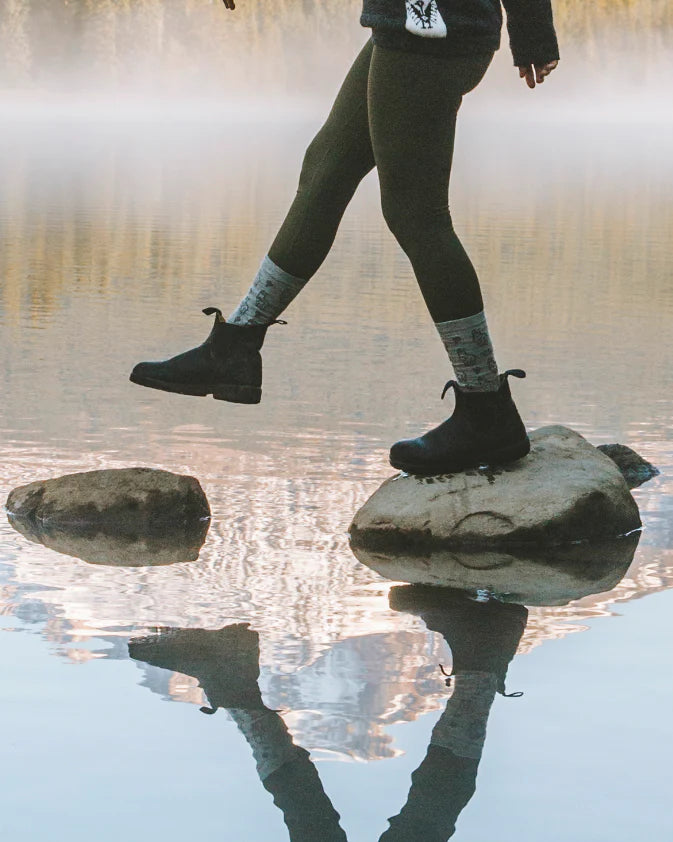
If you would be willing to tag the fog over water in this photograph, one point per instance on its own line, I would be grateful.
(193, 59)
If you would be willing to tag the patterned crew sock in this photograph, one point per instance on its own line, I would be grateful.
(468, 345)
(271, 292)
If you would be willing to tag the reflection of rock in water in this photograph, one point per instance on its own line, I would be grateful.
(555, 576)
(183, 543)
(128, 517)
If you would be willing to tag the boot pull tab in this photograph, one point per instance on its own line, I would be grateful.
(515, 372)
(447, 675)
(452, 384)
(210, 311)
(502, 690)
(278, 322)
(205, 708)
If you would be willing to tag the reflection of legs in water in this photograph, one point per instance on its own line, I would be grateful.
(226, 665)
(287, 772)
(483, 638)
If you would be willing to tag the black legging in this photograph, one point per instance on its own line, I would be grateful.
(396, 111)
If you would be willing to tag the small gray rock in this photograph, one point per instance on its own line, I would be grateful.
(565, 490)
(125, 501)
(632, 466)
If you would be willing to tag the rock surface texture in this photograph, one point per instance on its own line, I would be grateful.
(125, 501)
(632, 466)
(565, 490)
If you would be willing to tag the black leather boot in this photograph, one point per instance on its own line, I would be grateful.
(228, 365)
(485, 429)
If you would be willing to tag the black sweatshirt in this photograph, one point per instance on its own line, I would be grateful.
(465, 27)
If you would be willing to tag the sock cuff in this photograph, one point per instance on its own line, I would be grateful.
(268, 267)
(468, 323)
(272, 290)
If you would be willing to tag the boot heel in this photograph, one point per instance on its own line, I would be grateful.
(238, 394)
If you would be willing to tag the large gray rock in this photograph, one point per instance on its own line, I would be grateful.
(126, 501)
(565, 490)
(530, 576)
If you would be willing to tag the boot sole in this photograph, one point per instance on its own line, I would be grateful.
(496, 457)
(220, 391)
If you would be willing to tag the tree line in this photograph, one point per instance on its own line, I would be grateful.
(44, 40)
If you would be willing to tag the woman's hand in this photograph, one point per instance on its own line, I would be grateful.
(229, 4)
(531, 73)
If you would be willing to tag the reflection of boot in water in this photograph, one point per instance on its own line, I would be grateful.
(224, 662)
(226, 665)
(483, 638)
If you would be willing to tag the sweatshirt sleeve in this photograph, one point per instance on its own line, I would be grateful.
(531, 31)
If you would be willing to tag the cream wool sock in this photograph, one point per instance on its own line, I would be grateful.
(469, 347)
(271, 292)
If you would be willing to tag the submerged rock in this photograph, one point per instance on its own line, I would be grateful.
(566, 490)
(553, 576)
(632, 467)
(129, 502)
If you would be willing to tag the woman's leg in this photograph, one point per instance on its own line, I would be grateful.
(413, 103)
(336, 161)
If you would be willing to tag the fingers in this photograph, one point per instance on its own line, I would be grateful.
(544, 70)
(536, 74)
(526, 72)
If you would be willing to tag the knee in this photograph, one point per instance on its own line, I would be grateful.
(323, 167)
(412, 219)
(395, 214)
(329, 169)
(314, 163)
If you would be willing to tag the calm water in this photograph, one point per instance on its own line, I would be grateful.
(113, 237)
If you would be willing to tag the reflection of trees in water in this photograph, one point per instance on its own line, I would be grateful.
(569, 247)
(120, 41)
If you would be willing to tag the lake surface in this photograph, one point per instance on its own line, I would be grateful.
(114, 234)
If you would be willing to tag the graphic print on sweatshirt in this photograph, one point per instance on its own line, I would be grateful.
(424, 19)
